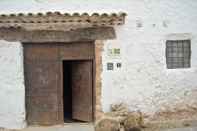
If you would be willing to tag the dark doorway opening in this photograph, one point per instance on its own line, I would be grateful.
(77, 90)
(67, 90)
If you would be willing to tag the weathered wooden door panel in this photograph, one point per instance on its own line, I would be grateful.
(42, 78)
(42, 51)
(82, 108)
(41, 92)
(77, 51)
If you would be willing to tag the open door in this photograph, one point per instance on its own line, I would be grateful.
(48, 100)
(82, 83)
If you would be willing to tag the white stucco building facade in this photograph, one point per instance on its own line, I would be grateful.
(143, 81)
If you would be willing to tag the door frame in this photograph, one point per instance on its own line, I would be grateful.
(60, 90)
(61, 112)
(86, 53)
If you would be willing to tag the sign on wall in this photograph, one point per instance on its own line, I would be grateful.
(114, 52)
(113, 62)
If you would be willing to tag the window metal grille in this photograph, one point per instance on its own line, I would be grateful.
(178, 54)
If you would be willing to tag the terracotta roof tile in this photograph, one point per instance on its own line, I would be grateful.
(52, 20)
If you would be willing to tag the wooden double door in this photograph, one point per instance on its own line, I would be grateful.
(44, 81)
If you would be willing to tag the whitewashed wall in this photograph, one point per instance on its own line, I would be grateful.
(12, 91)
(143, 82)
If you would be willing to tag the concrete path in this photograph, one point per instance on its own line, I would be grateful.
(66, 127)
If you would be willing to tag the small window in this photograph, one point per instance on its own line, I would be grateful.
(178, 54)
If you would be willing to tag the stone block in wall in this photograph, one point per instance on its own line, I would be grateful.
(107, 125)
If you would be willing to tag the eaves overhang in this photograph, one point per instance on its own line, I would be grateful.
(59, 27)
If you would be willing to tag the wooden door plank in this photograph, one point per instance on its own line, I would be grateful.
(82, 104)
(77, 51)
(42, 78)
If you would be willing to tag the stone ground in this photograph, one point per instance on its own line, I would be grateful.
(66, 127)
(182, 129)
(84, 127)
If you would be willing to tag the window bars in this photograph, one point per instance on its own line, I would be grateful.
(178, 54)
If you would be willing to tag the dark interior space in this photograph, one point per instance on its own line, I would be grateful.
(67, 93)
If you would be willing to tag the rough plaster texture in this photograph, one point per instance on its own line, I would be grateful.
(12, 105)
(143, 82)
